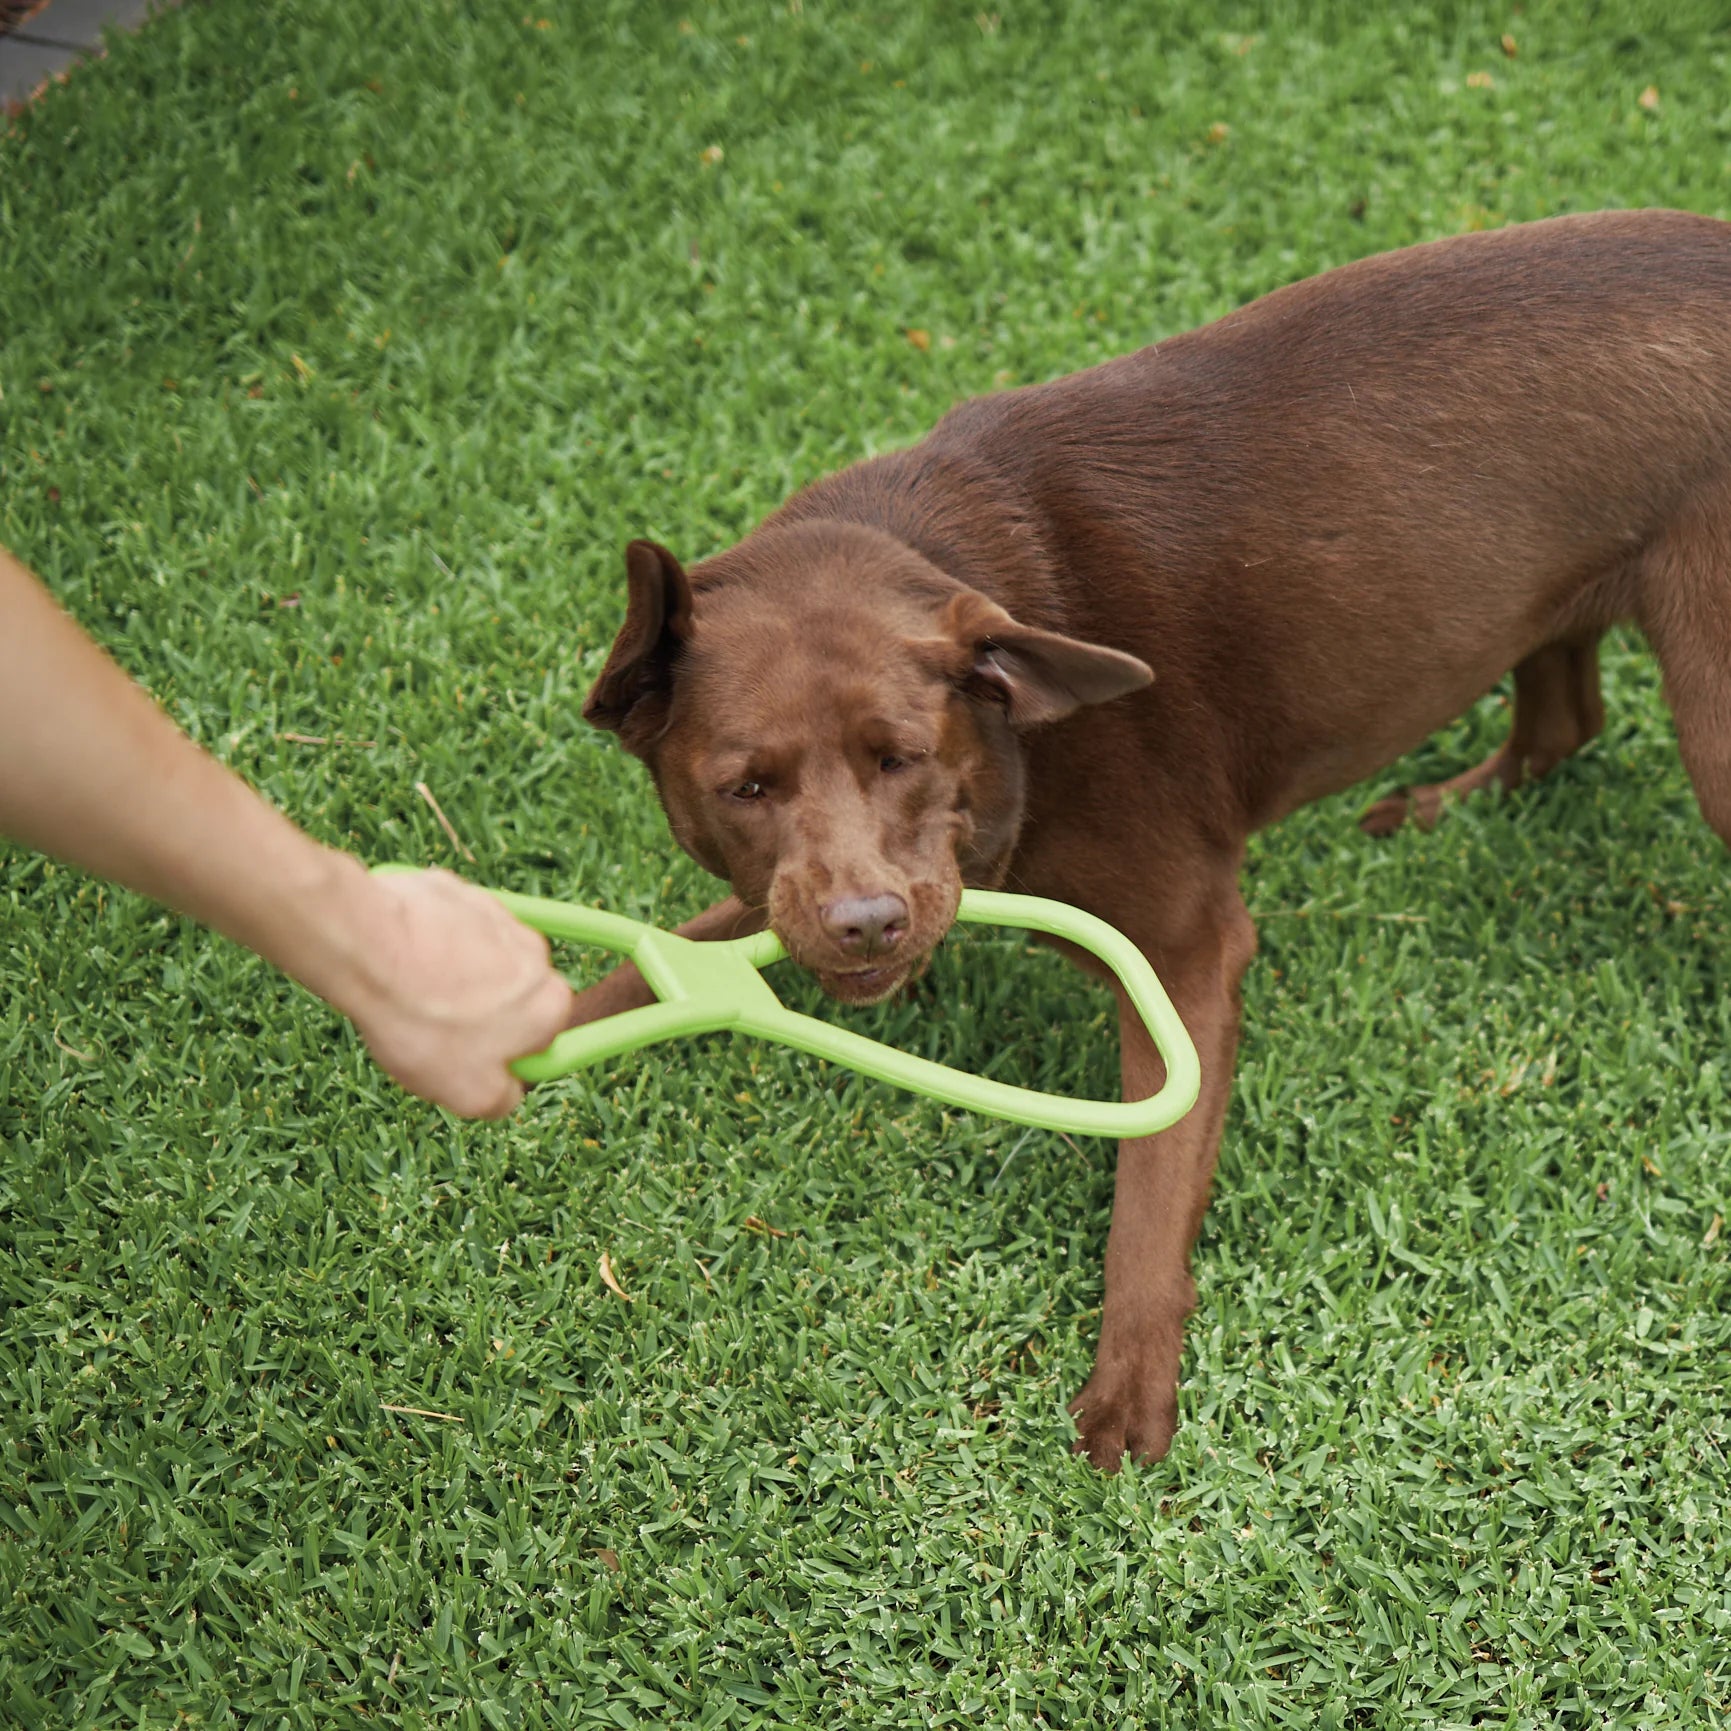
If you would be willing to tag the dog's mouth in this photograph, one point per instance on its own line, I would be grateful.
(867, 985)
(868, 978)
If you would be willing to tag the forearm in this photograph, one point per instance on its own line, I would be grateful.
(94, 773)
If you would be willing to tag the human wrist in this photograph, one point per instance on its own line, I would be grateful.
(331, 918)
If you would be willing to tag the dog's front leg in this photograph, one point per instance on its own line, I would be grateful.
(1130, 1402)
(626, 989)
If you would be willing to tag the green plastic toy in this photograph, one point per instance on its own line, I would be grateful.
(707, 987)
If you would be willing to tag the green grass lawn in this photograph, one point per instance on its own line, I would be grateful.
(341, 348)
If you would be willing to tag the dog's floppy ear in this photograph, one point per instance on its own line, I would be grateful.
(1036, 675)
(632, 695)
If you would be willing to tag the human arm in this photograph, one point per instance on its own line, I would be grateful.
(445, 987)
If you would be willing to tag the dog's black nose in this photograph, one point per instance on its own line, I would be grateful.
(866, 925)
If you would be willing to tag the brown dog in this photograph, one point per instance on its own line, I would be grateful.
(1327, 523)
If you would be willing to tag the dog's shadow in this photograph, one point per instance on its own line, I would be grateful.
(1513, 995)
(993, 1003)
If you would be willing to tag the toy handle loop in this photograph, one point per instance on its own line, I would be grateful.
(1121, 1118)
(707, 987)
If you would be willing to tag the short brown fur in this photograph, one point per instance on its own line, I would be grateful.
(1327, 523)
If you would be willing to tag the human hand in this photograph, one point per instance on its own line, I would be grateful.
(447, 988)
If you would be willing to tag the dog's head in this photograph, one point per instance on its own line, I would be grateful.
(832, 725)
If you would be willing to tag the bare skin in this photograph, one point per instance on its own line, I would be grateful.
(443, 985)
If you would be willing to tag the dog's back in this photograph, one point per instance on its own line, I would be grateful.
(1385, 485)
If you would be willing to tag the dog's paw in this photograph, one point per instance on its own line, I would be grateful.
(1115, 1416)
(1424, 806)
(1395, 812)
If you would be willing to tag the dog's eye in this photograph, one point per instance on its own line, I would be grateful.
(747, 791)
(889, 763)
